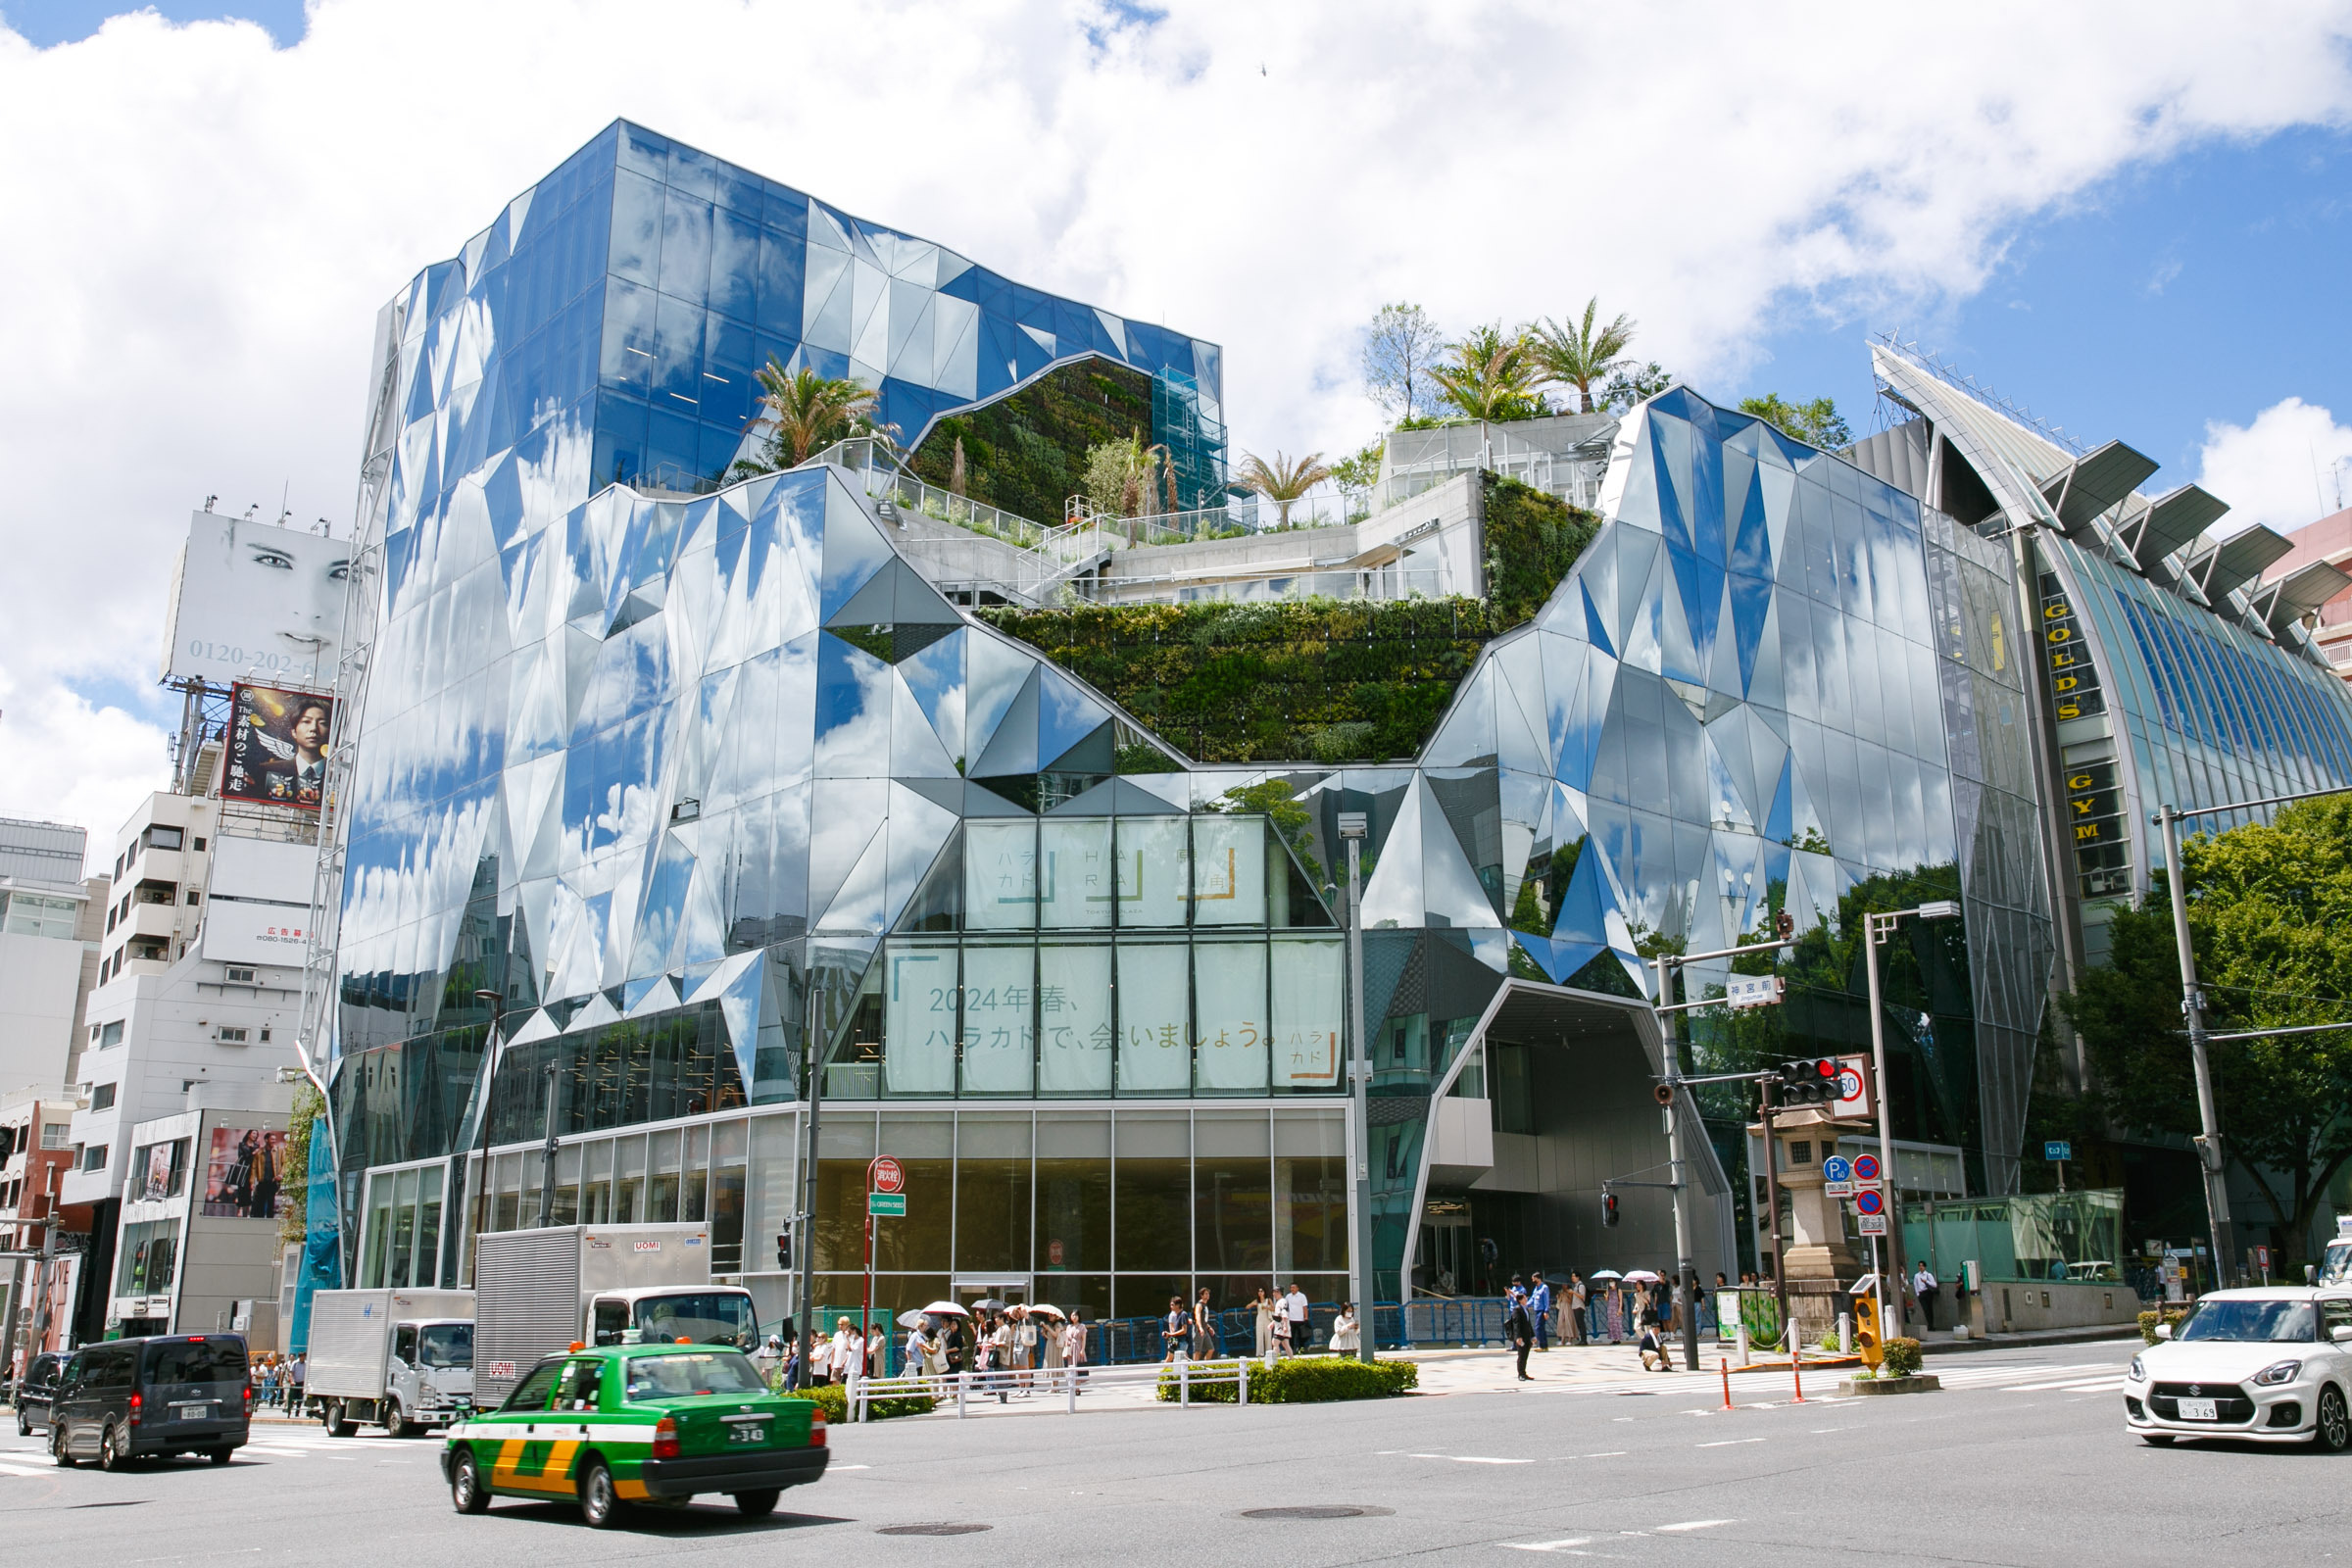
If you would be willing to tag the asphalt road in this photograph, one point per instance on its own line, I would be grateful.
(2022, 1460)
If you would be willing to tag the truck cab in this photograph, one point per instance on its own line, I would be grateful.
(430, 1371)
(701, 1314)
(2335, 1263)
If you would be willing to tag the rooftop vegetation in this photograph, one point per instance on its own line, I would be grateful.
(1027, 453)
(1313, 679)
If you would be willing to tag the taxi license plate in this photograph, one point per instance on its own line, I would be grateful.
(748, 1434)
(2199, 1410)
(191, 1412)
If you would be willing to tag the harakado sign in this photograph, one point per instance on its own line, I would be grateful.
(888, 1176)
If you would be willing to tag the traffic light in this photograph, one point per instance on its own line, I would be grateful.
(1608, 1207)
(784, 1248)
(1812, 1082)
(1783, 924)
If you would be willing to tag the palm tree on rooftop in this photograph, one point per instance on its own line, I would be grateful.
(1489, 375)
(805, 412)
(1282, 481)
(1580, 353)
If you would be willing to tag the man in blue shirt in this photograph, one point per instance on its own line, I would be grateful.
(1539, 1307)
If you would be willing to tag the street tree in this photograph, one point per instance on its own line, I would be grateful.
(1399, 347)
(1581, 353)
(2268, 904)
(1817, 423)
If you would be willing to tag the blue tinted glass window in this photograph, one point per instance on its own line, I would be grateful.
(635, 251)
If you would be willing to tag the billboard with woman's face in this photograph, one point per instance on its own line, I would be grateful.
(277, 746)
(254, 602)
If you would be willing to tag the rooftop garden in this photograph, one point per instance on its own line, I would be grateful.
(1312, 679)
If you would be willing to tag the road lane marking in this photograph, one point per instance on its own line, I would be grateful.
(1467, 1458)
(1698, 1524)
(1568, 1544)
(1728, 1442)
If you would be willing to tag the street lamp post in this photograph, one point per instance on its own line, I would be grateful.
(1685, 1268)
(1353, 828)
(2211, 1168)
(1877, 928)
(496, 1001)
(547, 1169)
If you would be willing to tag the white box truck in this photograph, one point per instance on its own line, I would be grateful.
(539, 1292)
(402, 1359)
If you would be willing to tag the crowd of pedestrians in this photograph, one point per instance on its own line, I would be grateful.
(278, 1382)
(1610, 1309)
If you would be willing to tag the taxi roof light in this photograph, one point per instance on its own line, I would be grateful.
(577, 1345)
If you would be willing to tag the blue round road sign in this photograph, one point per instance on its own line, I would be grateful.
(1869, 1203)
(1866, 1168)
(1837, 1168)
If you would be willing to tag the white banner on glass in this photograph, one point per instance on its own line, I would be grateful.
(1154, 1038)
(1229, 871)
(1155, 870)
(1000, 874)
(998, 1039)
(918, 1019)
(1230, 980)
(1074, 889)
(1306, 1012)
(1073, 1019)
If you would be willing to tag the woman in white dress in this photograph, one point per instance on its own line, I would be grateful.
(1263, 1309)
(1345, 1334)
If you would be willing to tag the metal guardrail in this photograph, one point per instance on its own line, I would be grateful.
(960, 1388)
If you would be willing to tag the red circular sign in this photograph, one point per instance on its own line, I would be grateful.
(1866, 1167)
(1869, 1203)
(888, 1176)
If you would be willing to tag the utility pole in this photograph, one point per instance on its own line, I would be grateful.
(803, 1230)
(1670, 1093)
(2211, 1165)
(1876, 929)
(1772, 1200)
(1353, 828)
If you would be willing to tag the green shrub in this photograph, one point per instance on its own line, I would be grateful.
(1829, 1341)
(1308, 1380)
(1533, 539)
(834, 1400)
(2149, 1319)
(1902, 1357)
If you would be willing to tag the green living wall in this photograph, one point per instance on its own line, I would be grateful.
(1311, 679)
(1027, 453)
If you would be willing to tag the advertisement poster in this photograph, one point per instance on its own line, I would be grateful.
(254, 602)
(277, 746)
(245, 1177)
(161, 1180)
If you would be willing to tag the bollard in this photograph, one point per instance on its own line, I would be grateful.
(1797, 1364)
(1747, 1356)
(1241, 1372)
(1074, 1398)
(1184, 1381)
(1845, 1334)
(1726, 1382)
(963, 1389)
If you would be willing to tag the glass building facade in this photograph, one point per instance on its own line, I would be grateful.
(725, 803)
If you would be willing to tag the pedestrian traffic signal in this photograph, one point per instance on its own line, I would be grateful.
(1608, 1207)
(784, 1248)
(1812, 1082)
(1784, 925)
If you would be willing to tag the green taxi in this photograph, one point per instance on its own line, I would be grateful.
(615, 1425)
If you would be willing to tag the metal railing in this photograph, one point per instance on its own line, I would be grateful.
(966, 1389)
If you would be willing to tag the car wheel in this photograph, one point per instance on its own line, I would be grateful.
(219, 1455)
(2331, 1433)
(2156, 1439)
(467, 1494)
(758, 1504)
(58, 1450)
(600, 1504)
(24, 1425)
(338, 1421)
(396, 1425)
(114, 1453)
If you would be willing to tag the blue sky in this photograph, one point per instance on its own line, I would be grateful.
(2206, 288)
(52, 21)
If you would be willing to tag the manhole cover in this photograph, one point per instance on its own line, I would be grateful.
(931, 1530)
(1326, 1510)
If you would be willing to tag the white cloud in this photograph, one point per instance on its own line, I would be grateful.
(202, 227)
(2292, 464)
